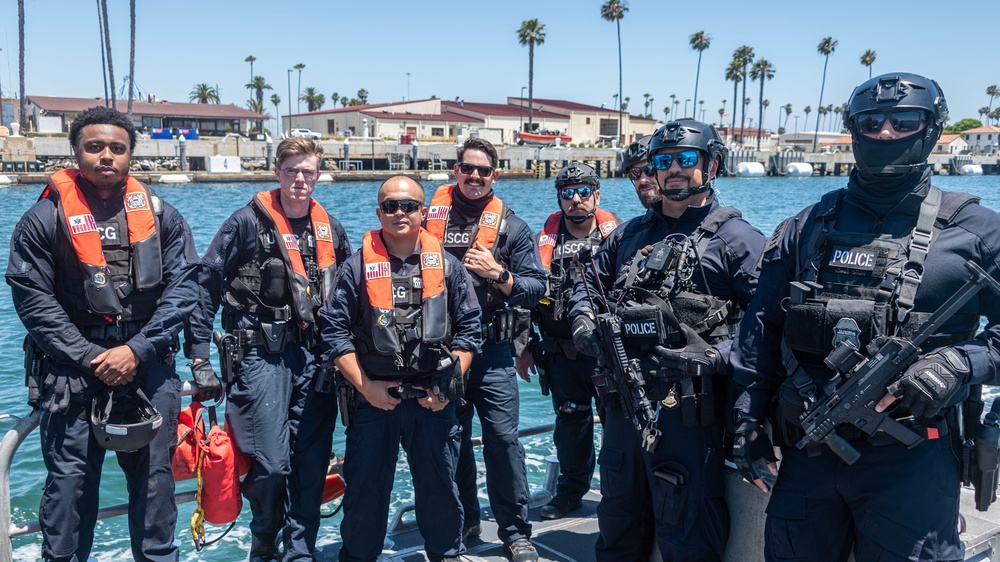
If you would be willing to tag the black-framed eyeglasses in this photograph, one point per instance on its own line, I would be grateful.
(292, 173)
(390, 206)
(584, 191)
(467, 169)
(685, 159)
(636, 173)
(903, 121)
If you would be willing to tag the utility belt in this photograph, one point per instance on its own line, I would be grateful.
(506, 325)
(274, 336)
(551, 344)
(37, 365)
(694, 396)
(119, 331)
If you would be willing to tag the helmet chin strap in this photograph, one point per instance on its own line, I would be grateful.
(687, 192)
(578, 219)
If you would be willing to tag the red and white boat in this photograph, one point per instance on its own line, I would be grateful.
(543, 138)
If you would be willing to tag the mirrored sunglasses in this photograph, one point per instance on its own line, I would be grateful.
(685, 159)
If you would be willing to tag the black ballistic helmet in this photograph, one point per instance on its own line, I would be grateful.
(576, 173)
(635, 153)
(688, 133)
(123, 419)
(896, 91)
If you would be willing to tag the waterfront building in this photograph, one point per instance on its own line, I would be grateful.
(951, 144)
(983, 139)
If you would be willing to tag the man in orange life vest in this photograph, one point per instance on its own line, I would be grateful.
(103, 274)
(402, 326)
(499, 250)
(579, 226)
(270, 267)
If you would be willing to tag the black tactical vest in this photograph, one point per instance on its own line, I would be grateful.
(552, 318)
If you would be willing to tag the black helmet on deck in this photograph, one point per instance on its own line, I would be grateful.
(635, 153)
(576, 173)
(123, 419)
(897, 91)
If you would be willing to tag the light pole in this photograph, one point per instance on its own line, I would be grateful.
(520, 103)
(796, 117)
(686, 107)
(289, 99)
(407, 86)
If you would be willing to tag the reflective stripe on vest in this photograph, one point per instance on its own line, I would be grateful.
(268, 201)
(378, 284)
(82, 229)
(547, 239)
(489, 221)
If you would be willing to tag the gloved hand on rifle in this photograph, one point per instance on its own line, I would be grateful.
(751, 446)
(585, 337)
(695, 359)
(449, 383)
(209, 385)
(930, 383)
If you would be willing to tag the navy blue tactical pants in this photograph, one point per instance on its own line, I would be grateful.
(572, 391)
(893, 504)
(683, 481)
(74, 460)
(492, 390)
(430, 440)
(286, 428)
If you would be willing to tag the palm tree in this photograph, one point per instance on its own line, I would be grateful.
(735, 74)
(992, 92)
(788, 113)
(298, 91)
(699, 42)
(107, 47)
(314, 100)
(104, 63)
(344, 101)
(250, 59)
(532, 33)
(650, 112)
(204, 93)
(131, 56)
(822, 115)
(867, 59)
(666, 114)
(701, 107)
(257, 106)
(257, 85)
(995, 115)
(612, 10)
(645, 108)
(805, 110)
(722, 110)
(825, 48)
(334, 98)
(362, 97)
(276, 100)
(766, 104)
(744, 55)
(23, 110)
(836, 111)
(984, 112)
(762, 70)
(625, 103)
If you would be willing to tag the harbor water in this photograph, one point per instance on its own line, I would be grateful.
(764, 202)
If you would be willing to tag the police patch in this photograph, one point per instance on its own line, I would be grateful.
(437, 213)
(323, 232)
(430, 260)
(546, 240)
(608, 227)
(290, 242)
(861, 259)
(79, 224)
(490, 220)
(378, 270)
(136, 202)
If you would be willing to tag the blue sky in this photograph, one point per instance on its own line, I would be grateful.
(470, 49)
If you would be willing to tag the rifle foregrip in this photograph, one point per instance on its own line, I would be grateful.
(842, 448)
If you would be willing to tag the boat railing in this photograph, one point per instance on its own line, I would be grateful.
(23, 427)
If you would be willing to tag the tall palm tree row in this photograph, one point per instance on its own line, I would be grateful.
(868, 59)
(257, 106)
(204, 93)
(23, 110)
(313, 98)
(250, 59)
(762, 70)
(734, 73)
(788, 113)
(276, 101)
(699, 42)
(334, 98)
(131, 56)
(531, 33)
(826, 47)
(613, 10)
(744, 55)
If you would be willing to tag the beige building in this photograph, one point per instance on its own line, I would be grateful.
(592, 124)
(951, 144)
(983, 139)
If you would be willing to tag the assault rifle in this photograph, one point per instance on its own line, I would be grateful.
(617, 375)
(860, 381)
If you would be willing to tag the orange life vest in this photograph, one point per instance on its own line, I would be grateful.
(606, 223)
(302, 297)
(147, 270)
(378, 284)
(489, 222)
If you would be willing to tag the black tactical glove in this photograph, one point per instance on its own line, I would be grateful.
(209, 385)
(585, 336)
(929, 384)
(58, 391)
(449, 383)
(695, 359)
(751, 445)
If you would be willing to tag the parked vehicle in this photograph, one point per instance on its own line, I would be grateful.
(305, 133)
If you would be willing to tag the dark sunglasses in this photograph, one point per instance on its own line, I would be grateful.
(648, 169)
(584, 191)
(467, 169)
(685, 159)
(902, 121)
(390, 206)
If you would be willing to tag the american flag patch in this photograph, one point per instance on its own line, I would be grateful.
(378, 270)
(82, 223)
(437, 213)
(608, 227)
(546, 240)
(290, 242)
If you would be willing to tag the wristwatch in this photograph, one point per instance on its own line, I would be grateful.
(503, 277)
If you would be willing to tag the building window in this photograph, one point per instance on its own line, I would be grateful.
(331, 127)
(437, 131)
(588, 120)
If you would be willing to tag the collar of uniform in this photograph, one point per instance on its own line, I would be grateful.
(691, 215)
(101, 209)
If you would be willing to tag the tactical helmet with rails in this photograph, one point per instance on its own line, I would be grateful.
(636, 153)
(576, 173)
(688, 133)
(123, 419)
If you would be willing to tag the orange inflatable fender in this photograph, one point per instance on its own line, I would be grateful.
(190, 436)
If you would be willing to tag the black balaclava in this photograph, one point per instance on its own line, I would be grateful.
(881, 194)
(468, 208)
